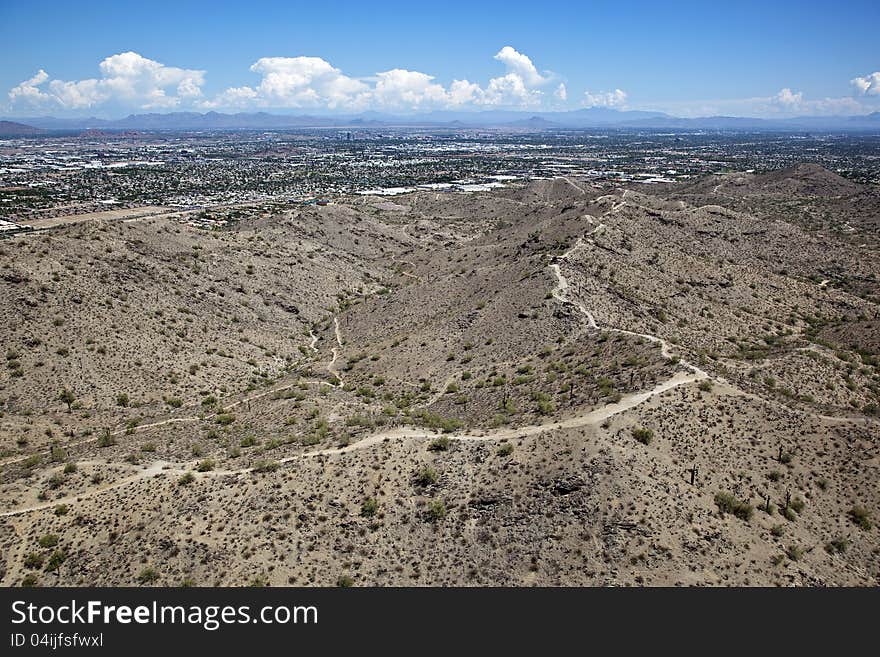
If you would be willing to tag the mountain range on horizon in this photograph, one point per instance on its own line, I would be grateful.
(512, 120)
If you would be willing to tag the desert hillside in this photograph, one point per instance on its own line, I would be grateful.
(549, 384)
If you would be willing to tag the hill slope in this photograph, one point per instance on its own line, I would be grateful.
(554, 384)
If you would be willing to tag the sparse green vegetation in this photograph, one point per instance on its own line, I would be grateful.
(147, 576)
(426, 476)
(861, 517)
(436, 510)
(264, 465)
(205, 466)
(48, 541)
(369, 507)
(440, 444)
(644, 436)
(727, 503)
(106, 439)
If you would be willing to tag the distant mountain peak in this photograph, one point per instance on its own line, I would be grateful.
(12, 129)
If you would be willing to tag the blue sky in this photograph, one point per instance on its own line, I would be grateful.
(687, 58)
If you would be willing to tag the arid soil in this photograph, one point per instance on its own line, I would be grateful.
(547, 384)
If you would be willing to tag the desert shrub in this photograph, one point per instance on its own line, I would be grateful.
(369, 507)
(506, 449)
(186, 479)
(440, 444)
(34, 561)
(426, 476)
(436, 510)
(48, 540)
(122, 399)
(644, 436)
(344, 581)
(433, 421)
(205, 466)
(836, 545)
(225, 419)
(358, 421)
(794, 553)
(58, 557)
(861, 517)
(147, 576)
(67, 397)
(727, 503)
(265, 466)
(106, 439)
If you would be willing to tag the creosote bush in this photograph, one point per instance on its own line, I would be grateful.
(426, 476)
(369, 507)
(506, 449)
(861, 517)
(436, 510)
(644, 436)
(727, 503)
(439, 444)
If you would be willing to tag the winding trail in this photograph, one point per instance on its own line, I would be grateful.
(336, 330)
(594, 417)
(331, 366)
(228, 406)
(151, 471)
(560, 293)
(400, 270)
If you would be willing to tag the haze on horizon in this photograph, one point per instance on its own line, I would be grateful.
(751, 60)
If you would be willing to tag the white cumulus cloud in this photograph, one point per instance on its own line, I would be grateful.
(131, 80)
(520, 65)
(399, 88)
(787, 98)
(612, 99)
(868, 85)
(788, 102)
(520, 85)
(126, 78)
(306, 82)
